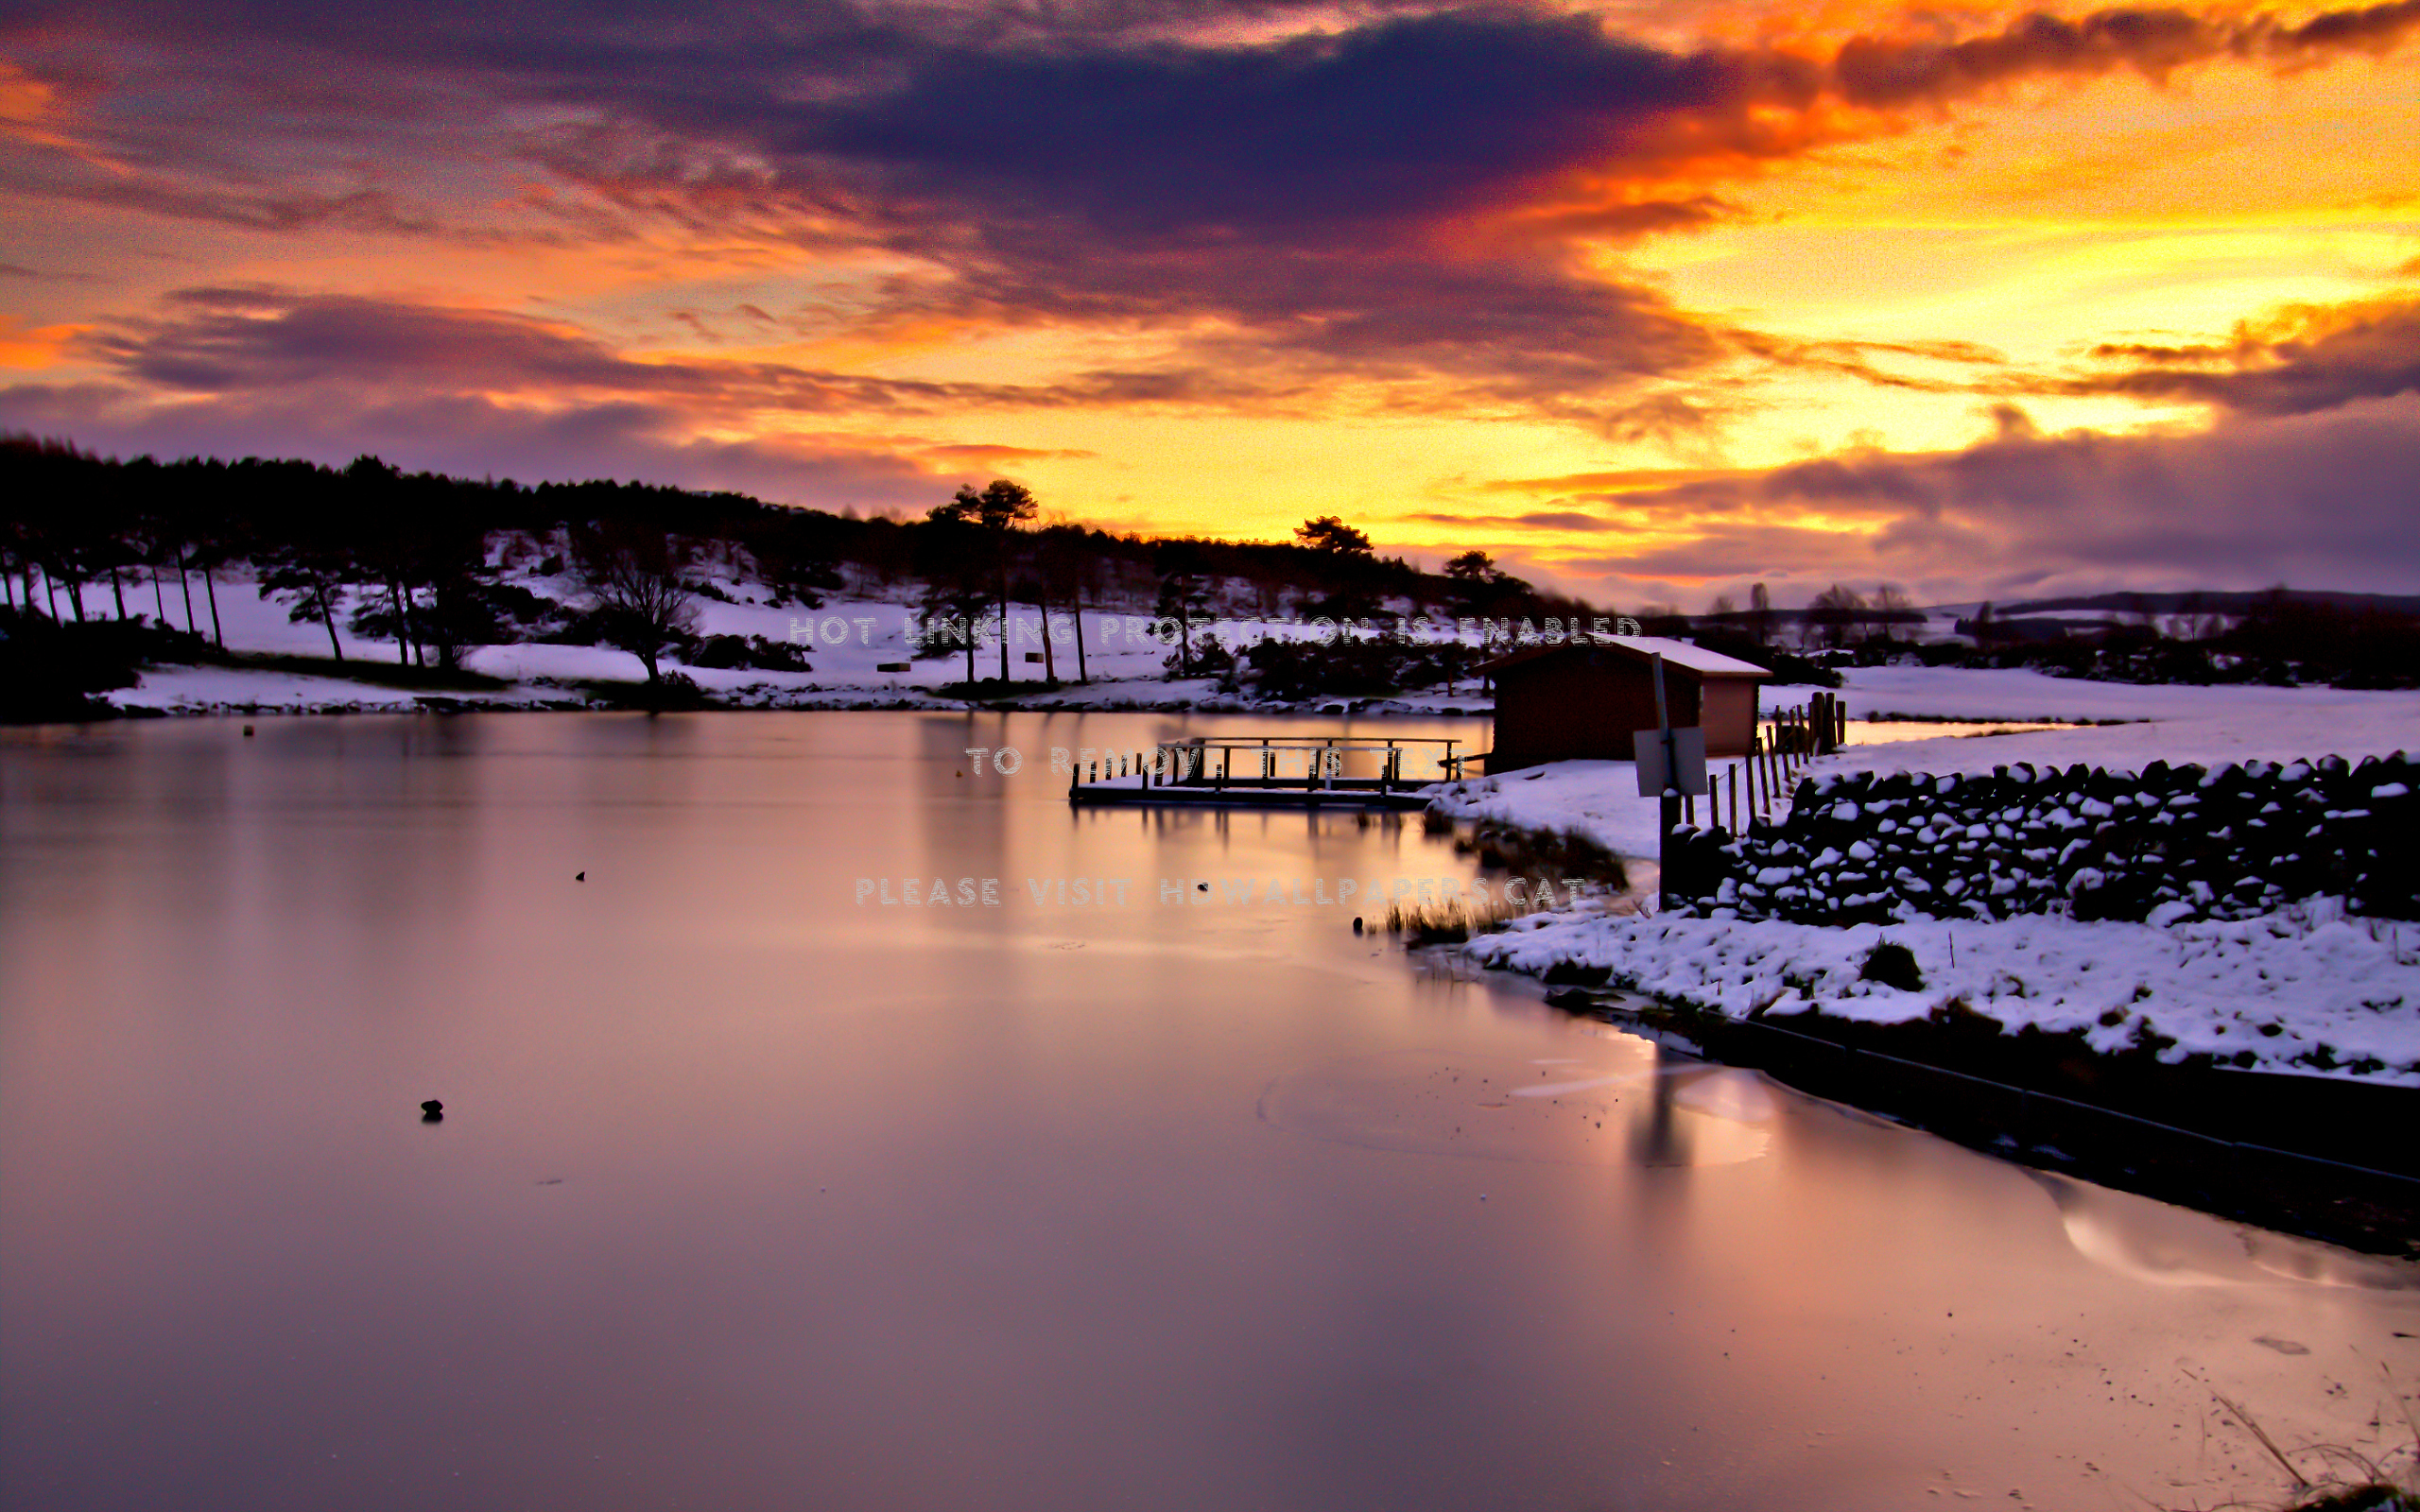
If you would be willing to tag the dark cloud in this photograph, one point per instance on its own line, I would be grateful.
(1604, 484)
(1854, 359)
(1774, 552)
(1395, 201)
(1134, 118)
(988, 455)
(2295, 363)
(359, 210)
(37, 274)
(1308, 137)
(1894, 72)
(2321, 497)
(1551, 520)
(254, 340)
(1281, 193)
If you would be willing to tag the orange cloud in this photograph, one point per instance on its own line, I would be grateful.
(38, 347)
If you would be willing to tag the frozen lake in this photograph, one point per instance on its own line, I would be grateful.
(751, 1194)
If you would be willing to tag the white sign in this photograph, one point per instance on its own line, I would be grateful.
(1689, 756)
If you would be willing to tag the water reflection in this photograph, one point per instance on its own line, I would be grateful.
(2151, 1242)
(1619, 1109)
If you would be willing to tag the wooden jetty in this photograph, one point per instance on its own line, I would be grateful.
(1256, 772)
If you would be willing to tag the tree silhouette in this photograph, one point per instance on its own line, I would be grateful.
(1836, 609)
(1065, 567)
(1182, 593)
(997, 510)
(638, 588)
(950, 556)
(1328, 533)
(1894, 608)
(311, 575)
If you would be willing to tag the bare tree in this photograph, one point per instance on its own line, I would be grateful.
(1837, 609)
(1892, 602)
(1064, 566)
(639, 589)
(311, 577)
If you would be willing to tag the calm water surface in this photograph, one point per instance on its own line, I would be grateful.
(749, 1194)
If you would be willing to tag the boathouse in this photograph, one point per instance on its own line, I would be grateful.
(1585, 701)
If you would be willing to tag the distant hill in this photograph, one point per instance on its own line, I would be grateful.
(2211, 601)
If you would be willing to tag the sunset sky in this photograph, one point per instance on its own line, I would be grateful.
(1649, 300)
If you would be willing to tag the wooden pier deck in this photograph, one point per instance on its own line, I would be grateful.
(1237, 772)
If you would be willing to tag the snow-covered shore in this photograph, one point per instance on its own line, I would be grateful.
(2301, 989)
(2305, 989)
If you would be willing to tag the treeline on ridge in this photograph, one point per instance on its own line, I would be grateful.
(408, 558)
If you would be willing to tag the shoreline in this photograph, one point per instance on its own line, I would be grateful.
(318, 695)
(2324, 1156)
(2179, 1134)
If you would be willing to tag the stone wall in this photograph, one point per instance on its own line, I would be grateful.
(2165, 844)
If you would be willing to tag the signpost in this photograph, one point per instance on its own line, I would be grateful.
(1687, 760)
(1671, 762)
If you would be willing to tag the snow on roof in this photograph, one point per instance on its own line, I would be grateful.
(1691, 655)
(1675, 653)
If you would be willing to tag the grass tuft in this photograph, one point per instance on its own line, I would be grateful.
(1449, 921)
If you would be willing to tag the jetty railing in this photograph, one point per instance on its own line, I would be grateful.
(1277, 765)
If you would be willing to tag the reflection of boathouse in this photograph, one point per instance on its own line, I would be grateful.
(1585, 702)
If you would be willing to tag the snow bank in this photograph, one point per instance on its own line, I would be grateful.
(2022, 694)
(1597, 801)
(221, 689)
(2299, 989)
(2304, 989)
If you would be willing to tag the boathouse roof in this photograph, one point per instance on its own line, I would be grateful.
(1685, 654)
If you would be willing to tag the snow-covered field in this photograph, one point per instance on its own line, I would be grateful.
(848, 642)
(2305, 989)
(202, 690)
(2021, 693)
